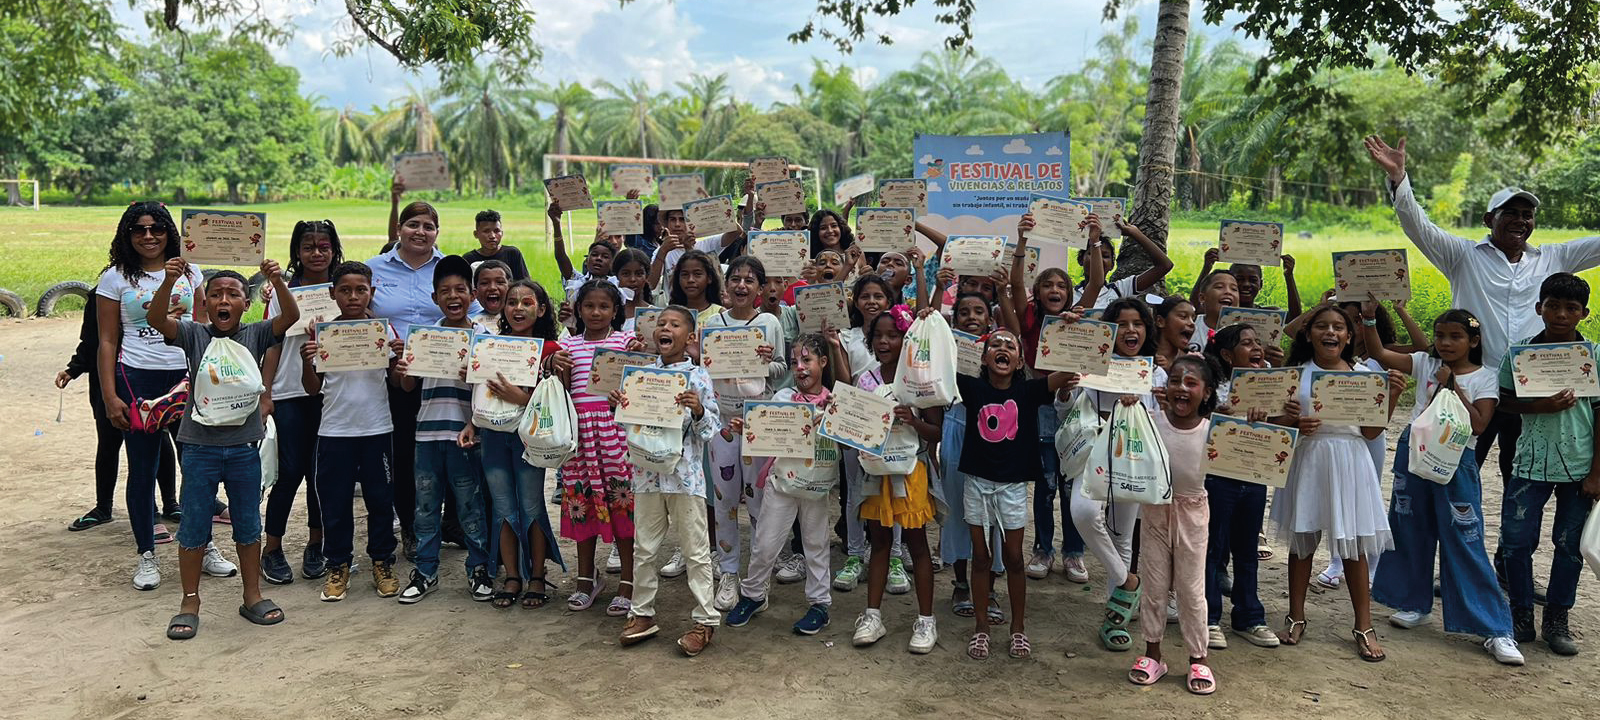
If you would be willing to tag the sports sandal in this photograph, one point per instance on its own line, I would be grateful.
(978, 646)
(1364, 645)
(997, 616)
(620, 606)
(961, 601)
(1147, 671)
(533, 599)
(505, 596)
(1201, 681)
(579, 601)
(1020, 649)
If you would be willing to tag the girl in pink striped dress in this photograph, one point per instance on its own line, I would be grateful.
(596, 495)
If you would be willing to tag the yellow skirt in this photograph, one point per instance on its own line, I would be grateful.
(912, 511)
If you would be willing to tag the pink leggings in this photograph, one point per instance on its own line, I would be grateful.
(1172, 557)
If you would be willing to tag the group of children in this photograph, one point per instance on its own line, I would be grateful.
(969, 467)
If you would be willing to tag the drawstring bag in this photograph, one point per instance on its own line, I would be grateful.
(268, 448)
(899, 453)
(1439, 436)
(1589, 542)
(926, 376)
(492, 413)
(655, 449)
(1076, 436)
(549, 428)
(1129, 462)
(227, 385)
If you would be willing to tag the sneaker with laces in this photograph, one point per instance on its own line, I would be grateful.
(408, 542)
(1215, 639)
(869, 628)
(727, 592)
(924, 634)
(418, 588)
(696, 640)
(384, 580)
(1259, 636)
(848, 576)
(480, 585)
(1039, 566)
(148, 574)
(215, 565)
(791, 568)
(275, 567)
(1407, 619)
(742, 611)
(1072, 565)
(1522, 625)
(899, 582)
(614, 561)
(338, 582)
(1504, 650)
(312, 564)
(813, 621)
(674, 567)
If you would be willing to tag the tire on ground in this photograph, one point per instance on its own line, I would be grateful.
(47, 301)
(12, 304)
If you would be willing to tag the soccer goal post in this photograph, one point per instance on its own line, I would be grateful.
(17, 181)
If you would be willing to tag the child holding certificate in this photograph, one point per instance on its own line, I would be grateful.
(1132, 285)
(1216, 291)
(1425, 514)
(596, 263)
(491, 279)
(1333, 489)
(631, 268)
(1249, 278)
(868, 299)
(697, 284)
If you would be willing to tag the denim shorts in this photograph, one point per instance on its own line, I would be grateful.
(986, 503)
(237, 468)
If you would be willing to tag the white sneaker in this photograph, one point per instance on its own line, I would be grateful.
(1172, 609)
(848, 576)
(1038, 566)
(869, 629)
(148, 576)
(1407, 619)
(791, 568)
(924, 633)
(1215, 639)
(215, 564)
(1260, 636)
(614, 561)
(1504, 650)
(1072, 565)
(675, 566)
(727, 592)
(899, 581)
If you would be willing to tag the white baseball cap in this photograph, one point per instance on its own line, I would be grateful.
(1506, 194)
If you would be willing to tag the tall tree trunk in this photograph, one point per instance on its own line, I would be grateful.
(233, 193)
(1158, 148)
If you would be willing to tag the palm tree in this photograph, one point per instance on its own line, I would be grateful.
(568, 101)
(343, 134)
(485, 118)
(633, 120)
(709, 113)
(408, 124)
(946, 83)
(1152, 195)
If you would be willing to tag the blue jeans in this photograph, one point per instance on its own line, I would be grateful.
(1045, 491)
(1236, 509)
(955, 539)
(1520, 520)
(144, 449)
(341, 463)
(516, 498)
(1424, 515)
(440, 461)
(238, 469)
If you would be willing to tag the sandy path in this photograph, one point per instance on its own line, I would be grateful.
(81, 643)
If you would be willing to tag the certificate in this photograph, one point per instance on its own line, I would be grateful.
(783, 253)
(1055, 220)
(605, 374)
(679, 189)
(224, 237)
(814, 304)
(650, 396)
(1250, 243)
(1350, 397)
(316, 305)
(886, 229)
(1081, 347)
(644, 323)
(858, 418)
(973, 254)
(1030, 264)
(1108, 210)
(571, 191)
(780, 429)
(626, 178)
(783, 197)
(435, 351)
(1268, 389)
(851, 188)
(908, 192)
(1268, 324)
(352, 345)
(969, 353)
(619, 217)
(728, 353)
(1546, 369)
(769, 169)
(1124, 376)
(423, 171)
(1382, 273)
(1254, 452)
(517, 358)
(711, 216)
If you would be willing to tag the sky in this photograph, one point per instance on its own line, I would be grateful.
(662, 42)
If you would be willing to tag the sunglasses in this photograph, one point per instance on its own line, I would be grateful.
(154, 230)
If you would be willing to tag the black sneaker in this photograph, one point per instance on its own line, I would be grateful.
(312, 564)
(1522, 624)
(481, 584)
(418, 588)
(95, 516)
(1555, 632)
(275, 568)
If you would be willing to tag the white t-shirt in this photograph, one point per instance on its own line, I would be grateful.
(287, 383)
(1478, 384)
(1110, 292)
(862, 359)
(712, 244)
(142, 346)
(355, 403)
(731, 394)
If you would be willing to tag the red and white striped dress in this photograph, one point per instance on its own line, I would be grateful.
(596, 484)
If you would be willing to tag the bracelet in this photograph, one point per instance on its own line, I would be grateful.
(1369, 322)
(1019, 255)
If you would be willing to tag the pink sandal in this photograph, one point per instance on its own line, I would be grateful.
(978, 647)
(1202, 674)
(1153, 671)
(1020, 648)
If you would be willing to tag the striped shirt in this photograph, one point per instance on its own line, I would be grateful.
(582, 352)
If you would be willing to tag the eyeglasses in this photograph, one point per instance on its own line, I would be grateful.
(137, 230)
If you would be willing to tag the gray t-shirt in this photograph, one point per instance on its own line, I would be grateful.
(194, 338)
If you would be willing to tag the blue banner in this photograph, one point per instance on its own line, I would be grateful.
(981, 184)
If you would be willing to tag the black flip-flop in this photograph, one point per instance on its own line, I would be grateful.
(189, 620)
(88, 520)
(257, 613)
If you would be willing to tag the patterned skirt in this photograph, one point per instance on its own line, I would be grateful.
(597, 483)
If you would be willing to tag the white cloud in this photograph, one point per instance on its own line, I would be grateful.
(926, 159)
(1016, 147)
(975, 150)
(1053, 151)
(933, 187)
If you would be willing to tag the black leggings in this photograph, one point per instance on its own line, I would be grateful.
(108, 458)
(297, 420)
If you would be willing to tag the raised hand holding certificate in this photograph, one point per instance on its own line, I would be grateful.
(1268, 324)
(907, 192)
(780, 429)
(644, 324)
(1545, 369)
(352, 345)
(1030, 264)
(711, 216)
(224, 237)
(435, 351)
(676, 190)
(619, 217)
(729, 353)
(627, 178)
(814, 304)
(851, 188)
(783, 253)
(316, 305)
(1268, 389)
(1109, 210)
(969, 353)
(769, 169)
(605, 374)
(1059, 221)
(1359, 397)
(858, 418)
(650, 396)
(783, 197)
(1362, 275)
(517, 358)
(1124, 376)
(570, 191)
(886, 229)
(973, 254)
(423, 171)
(1081, 347)
(1250, 243)
(1254, 452)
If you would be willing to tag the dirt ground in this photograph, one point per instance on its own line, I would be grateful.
(81, 643)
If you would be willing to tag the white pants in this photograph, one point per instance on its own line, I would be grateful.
(734, 480)
(778, 512)
(687, 513)
(1107, 530)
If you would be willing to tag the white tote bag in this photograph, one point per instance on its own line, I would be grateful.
(491, 413)
(1439, 436)
(656, 449)
(1129, 462)
(269, 456)
(227, 385)
(1075, 438)
(1589, 542)
(549, 428)
(926, 376)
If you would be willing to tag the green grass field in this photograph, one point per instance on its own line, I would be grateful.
(56, 244)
